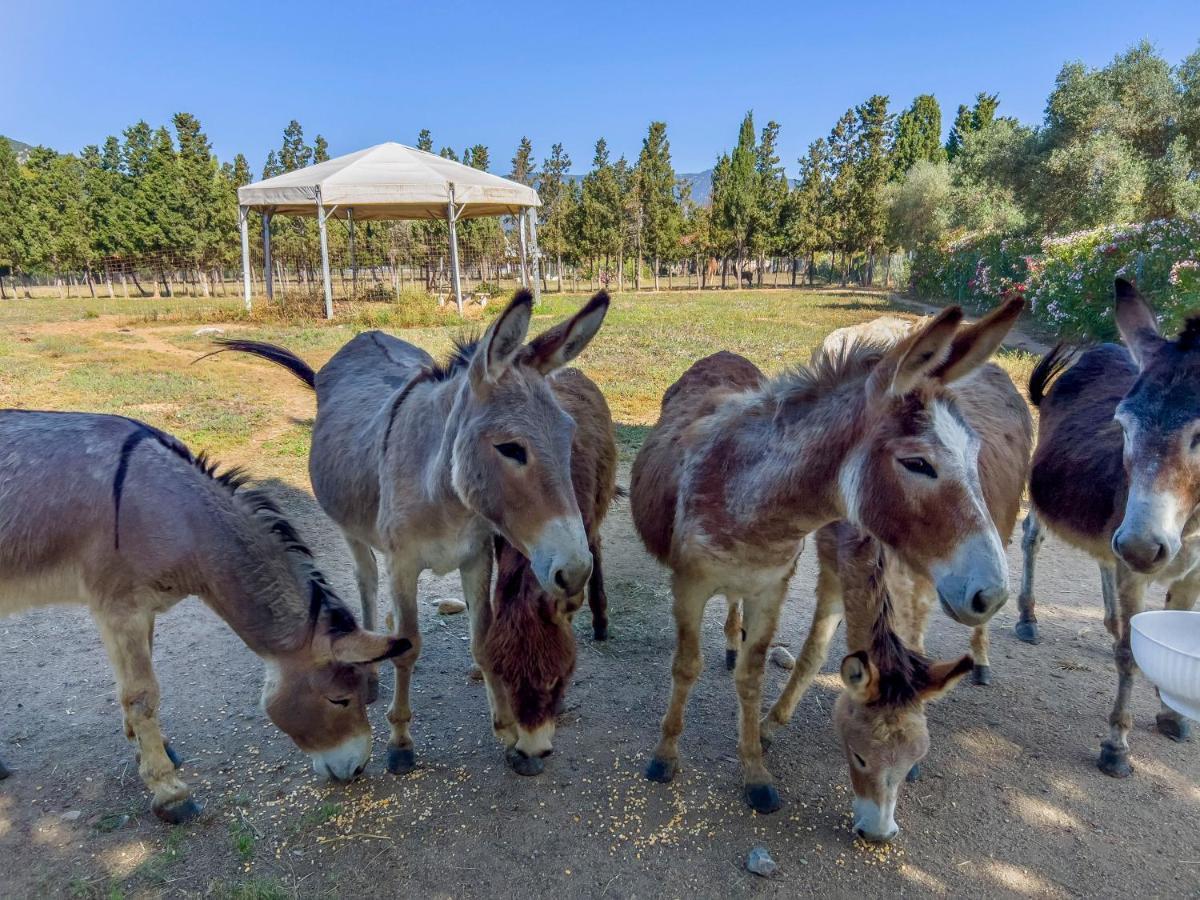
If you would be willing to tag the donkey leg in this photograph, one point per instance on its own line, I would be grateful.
(688, 609)
(127, 637)
(1114, 751)
(761, 615)
(1181, 595)
(1112, 606)
(366, 575)
(597, 596)
(733, 631)
(826, 618)
(979, 652)
(400, 755)
(1032, 537)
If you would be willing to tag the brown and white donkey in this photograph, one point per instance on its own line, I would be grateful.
(1116, 473)
(740, 468)
(425, 463)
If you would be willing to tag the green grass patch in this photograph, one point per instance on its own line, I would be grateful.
(243, 840)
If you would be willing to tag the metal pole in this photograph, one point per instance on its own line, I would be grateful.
(524, 250)
(268, 272)
(324, 256)
(451, 217)
(244, 221)
(353, 264)
(536, 255)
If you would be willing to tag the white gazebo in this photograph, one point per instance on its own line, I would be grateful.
(388, 181)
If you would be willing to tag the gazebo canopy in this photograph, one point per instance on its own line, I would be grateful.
(390, 181)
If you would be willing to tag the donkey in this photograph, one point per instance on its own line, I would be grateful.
(113, 514)
(995, 411)
(530, 645)
(1116, 473)
(739, 469)
(424, 463)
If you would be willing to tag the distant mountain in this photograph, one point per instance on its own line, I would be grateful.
(20, 148)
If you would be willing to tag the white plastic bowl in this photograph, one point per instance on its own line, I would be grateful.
(1166, 646)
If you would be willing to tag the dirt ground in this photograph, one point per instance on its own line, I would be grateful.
(1010, 803)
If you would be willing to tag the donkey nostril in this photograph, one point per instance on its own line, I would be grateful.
(1161, 554)
(359, 770)
(979, 603)
(560, 579)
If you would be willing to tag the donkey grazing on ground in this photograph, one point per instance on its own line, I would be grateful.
(739, 469)
(425, 463)
(1116, 473)
(529, 644)
(996, 412)
(111, 513)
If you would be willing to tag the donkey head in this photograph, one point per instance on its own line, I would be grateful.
(317, 694)
(1161, 419)
(880, 720)
(512, 451)
(913, 481)
(530, 648)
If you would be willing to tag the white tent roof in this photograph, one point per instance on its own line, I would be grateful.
(390, 181)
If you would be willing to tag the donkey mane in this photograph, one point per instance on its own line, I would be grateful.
(260, 505)
(1049, 367)
(804, 383)
(903, 673)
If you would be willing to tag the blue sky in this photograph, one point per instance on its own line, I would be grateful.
(471, 72)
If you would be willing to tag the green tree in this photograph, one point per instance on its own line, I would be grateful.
(12, 209)
(918, 136)
(809, 221)
(523, 168)
(294, 153)
(598, 216)
(872, 167)
(320, 150)
(919, 207)
(843, 145)
(735, 194)
(425, 141)
(958, 131)
(658, 215)
(767, 235)
(558, 196)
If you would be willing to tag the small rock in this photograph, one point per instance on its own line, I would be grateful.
(783, 658)
(760, 863)
(208, 329)
(72, 816)
(475, 673)
(450, 607)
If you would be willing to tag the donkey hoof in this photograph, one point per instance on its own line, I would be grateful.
(662, 770)
(730, 659)
(600, 632)
(5, 771)
(1172, 725)
(765, 738)
(982, 675)
(174, 757)
(1114, 762)
(523, 764)
(401, 760)
(178, 812)
(372, 688)
(763, 798)
(1028, 632)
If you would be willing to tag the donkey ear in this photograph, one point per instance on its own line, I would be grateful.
(502, 341)
(974, 344)
(555, 348)
(362, 646)
(1135, 321)
(918, 356)
(861, 677)
(943, 676)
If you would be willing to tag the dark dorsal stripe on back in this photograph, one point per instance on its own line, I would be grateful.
(258, 503)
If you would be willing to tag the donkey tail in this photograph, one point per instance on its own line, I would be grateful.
(1053, 364)
(271, 352)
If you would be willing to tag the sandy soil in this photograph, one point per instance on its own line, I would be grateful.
(1010, 803)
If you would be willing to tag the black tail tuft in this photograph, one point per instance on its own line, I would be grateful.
(1048, 368)
(272, 353)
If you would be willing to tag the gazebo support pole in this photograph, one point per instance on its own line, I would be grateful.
(536, 255)
(524, 249)
(353, 263)
(268, 270)
(244, 221)
(324, 256)
(455, 279)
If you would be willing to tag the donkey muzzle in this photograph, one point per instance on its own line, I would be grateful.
(974, 585)
(346, 761)
(562, 562)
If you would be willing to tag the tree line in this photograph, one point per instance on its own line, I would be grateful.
(1118, 143)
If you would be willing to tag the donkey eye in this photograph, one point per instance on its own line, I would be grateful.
(862, 763)
(1196, 441)
(338, 702)
(513, 451)
(919, 465)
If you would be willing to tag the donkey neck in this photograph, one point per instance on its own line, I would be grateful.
(771, 472)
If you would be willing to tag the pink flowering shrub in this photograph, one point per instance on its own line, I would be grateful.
(1068, 280)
